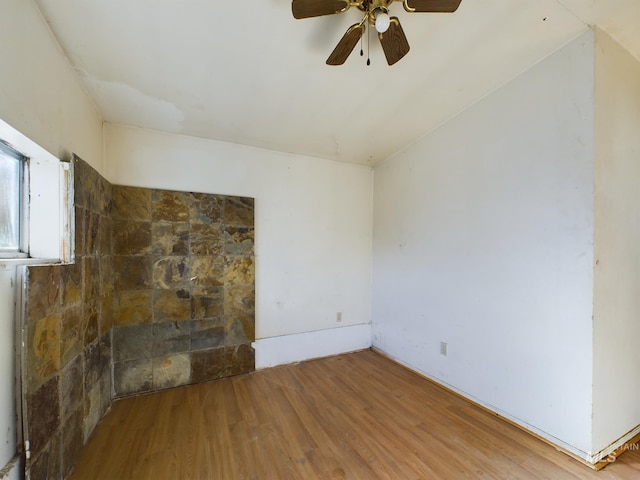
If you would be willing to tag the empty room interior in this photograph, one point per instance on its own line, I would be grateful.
(238, 242)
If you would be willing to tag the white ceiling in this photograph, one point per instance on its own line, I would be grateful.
(249, 73)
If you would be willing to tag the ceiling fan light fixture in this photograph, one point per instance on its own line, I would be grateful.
(382, 20)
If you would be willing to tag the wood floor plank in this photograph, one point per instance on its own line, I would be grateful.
(356, 417)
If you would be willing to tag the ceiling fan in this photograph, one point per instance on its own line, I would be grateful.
(376, 14)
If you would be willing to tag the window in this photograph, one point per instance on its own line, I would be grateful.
(36, 203)
(13, 169)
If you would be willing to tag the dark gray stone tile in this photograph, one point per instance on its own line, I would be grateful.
(132, 342)
(207, 334)
(97, 357)
(171, 338)
(135, 376)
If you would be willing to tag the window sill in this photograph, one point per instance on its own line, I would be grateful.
(6, 263)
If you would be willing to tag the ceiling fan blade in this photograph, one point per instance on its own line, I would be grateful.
(436, 6)
(346, 44)
(318, 8)
(394, 42)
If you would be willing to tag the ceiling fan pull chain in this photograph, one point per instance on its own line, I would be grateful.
(368, 45)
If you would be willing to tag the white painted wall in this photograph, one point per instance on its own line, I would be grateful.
(313, 222)
(40, 95)
(616, 375)
(483, 238)
(7, 365)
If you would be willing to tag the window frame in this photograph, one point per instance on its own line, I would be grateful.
(23, 204)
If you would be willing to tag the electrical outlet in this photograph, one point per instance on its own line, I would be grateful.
(443, 348)
(339, 317)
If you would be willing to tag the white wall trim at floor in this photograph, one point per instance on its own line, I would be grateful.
(305, 346)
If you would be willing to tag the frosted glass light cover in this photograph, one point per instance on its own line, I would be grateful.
(382, 22)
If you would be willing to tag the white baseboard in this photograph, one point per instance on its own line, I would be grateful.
(305, 346)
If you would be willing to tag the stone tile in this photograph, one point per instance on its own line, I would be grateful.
(206, 208)
(92, 278)
(72, 441)
(210, 364)
(131, 203)
(207, 239)
(43, 414)
(133, 307)
(171, 272)
(207, 334)
(106, 263)
(43, 349)
(97, 358)
(170, 206)
(96, 402)
(171, 305)
(132, 272)
(80, 233)
(239, 301)
(170, 238)
(131, 238)
(84, 182)
(132, 342)
(47, 465)
(93, 225)
(238, 241)
(106, 313)
(222, 362)
(71, 387)
(71, 334)
(106, 198)
(135, 376)
(71, 284)
(104, 239)
(91, 321)
(43, 292)
(170, 338)
(238, 211)
(171, 371)
(207, 271)
(248, 323)
(244, 360)
(235, 333)
(105, 394)
(207, 302)
(239, 271)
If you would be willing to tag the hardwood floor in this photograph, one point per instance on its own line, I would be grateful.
(355, 416)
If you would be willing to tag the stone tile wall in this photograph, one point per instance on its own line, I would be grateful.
(161, 294)
(68, 336)
(184, 288)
